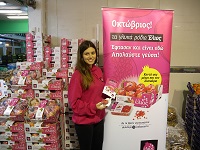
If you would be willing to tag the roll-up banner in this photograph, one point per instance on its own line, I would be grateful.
(136, 65)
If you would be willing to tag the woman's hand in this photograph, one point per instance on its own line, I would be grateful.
(100, 105)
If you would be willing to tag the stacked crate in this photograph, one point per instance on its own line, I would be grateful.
(195, 139)
(35, 44)
(189, 115)
(44, 104)
(192, 117)
(12, 112)
(52, 56)
(12, 135)
(69, 48)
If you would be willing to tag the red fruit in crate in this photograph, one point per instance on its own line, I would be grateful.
(52, 103)
(3, 123)
(34, 102)
(197, 88)
(130, 86)
(150, 88)
(140, 86)
(19, 112)
(121, 91)
(31, 115)
(57, 108)
(139, 94)
(35, 134)
(197, 92)
(131, 93)
(16, 123)
(5, 142)
(34, 75)
(50, 114)
(140, 90)
(31, 124)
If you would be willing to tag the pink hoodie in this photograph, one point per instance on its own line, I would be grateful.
(83, 102)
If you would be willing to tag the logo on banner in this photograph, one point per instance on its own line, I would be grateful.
(149, 145)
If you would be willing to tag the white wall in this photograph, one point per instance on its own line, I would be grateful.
(79, 18)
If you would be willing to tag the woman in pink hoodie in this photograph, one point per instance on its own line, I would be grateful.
(86, 98)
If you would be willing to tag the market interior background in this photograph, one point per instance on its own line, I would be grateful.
(83, 18)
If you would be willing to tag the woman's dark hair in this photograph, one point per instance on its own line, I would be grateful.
(82, 66)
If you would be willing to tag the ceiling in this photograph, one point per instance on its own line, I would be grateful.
(13, 4)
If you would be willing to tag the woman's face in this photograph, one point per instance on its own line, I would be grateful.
(89, 56)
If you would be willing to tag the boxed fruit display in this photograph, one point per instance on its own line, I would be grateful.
(47, 84)
(140, 94)
(16, 137)
(4, 145)
(194, 88)
(43, 94)
(70, 140)
(42, 127)
(3, 89)
(13, 108)
(147, 99)
(71, 136)
(49, 51)
(44, 138)
(70, 128)
(56, 96)
(72, 57)
(21, 93)
(11, 133)
(11, 126)
(45, 110)
(44, 146)
(30, 65)
(55, 72)
(68, 43)
(71, 64)
(71, 144)
(24, 77)
(29, 37)
(70, 72)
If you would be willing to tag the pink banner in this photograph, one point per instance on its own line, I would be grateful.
(136, 55)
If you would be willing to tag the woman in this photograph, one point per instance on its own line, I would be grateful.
(85, 98)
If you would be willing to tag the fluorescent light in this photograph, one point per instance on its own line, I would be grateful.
(10, 11)
(2, 3)
(17, 17)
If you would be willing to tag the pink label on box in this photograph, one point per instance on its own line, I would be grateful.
(57, 94)
(43, 104)
(146, 101)
(18, 137)
(52, 129)
(17, 128)
(24, 73)
(14, 101)
(55, 85)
